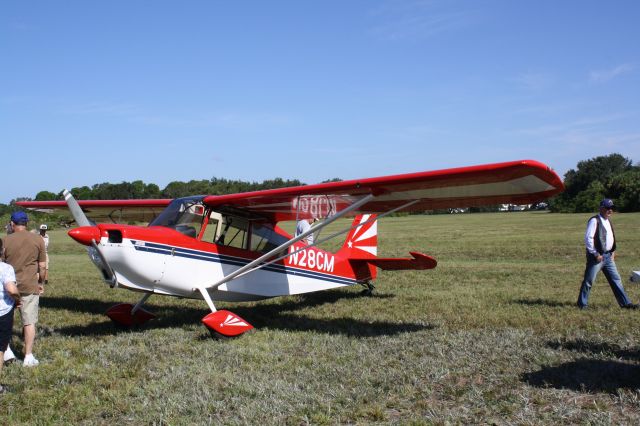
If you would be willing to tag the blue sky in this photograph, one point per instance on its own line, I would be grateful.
(159, 91)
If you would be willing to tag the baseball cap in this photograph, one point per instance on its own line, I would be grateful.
(19, 218)
(44, 226)
(607, 203)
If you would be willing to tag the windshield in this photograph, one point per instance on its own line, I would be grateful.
(183, 214)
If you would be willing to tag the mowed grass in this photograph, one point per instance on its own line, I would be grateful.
(492, 335)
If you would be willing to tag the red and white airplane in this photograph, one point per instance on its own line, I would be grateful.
(230, 247)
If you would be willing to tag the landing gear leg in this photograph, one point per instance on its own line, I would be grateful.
(140, 303)
(368, 289)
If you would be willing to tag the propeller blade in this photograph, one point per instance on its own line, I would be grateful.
(76, 211)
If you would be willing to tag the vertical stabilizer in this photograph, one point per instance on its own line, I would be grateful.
(362, 241)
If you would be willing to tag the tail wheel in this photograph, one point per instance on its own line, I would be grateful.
(368, 289)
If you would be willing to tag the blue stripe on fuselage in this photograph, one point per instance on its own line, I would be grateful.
(156, 248)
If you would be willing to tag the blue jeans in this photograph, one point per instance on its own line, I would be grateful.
(608, 267)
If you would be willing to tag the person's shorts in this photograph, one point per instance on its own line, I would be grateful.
(29, 309)
(6, 329)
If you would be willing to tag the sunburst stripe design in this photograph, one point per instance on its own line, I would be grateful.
(365, 237)
(234, 321)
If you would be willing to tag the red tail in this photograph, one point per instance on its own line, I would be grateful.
(362, 241)
(361, 247)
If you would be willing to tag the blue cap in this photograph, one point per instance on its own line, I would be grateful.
(607, 203)
(19, 218)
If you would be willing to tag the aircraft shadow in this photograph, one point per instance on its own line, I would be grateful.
(587, 375)
(89, 306)
(543, 302)
(590, 375)
(586, 346)
(279, 316)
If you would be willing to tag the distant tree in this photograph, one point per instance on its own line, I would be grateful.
(625, 190)
(278, 183)
(152, 190)
(5, 209)
(596, 169)
(589, 182)
(589, 199)
(46, 196)
(137, 189)
(80, 193)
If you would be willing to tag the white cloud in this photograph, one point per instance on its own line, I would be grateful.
(414, 20)
(534, 81)
(134, 113)
(602, 76)
(102, 108)
(581, 126)
(224, 120)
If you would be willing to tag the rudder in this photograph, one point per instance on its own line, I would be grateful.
(362, 241)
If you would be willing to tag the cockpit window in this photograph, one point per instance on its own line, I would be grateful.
(185, 215)
(264, 238)
(234, 232)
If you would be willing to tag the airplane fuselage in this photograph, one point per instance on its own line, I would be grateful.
(164, 261)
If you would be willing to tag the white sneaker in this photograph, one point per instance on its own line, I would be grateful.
(30, 361)
(8, 355)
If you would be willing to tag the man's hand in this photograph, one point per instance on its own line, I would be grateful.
(599, 258)
(40, 288)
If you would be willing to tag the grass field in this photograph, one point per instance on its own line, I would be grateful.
(492, 335)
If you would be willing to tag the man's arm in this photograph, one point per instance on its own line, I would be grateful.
(42, 264)
(12, 289)
(41, 270)
(589, 236)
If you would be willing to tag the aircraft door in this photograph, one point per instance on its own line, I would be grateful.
(182, 263)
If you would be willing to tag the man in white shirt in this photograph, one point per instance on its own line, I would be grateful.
(600, 242)
(304, 225)
(45, 238)
(9, 298)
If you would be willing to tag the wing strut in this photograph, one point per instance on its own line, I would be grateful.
(342, 231)
(289, 243)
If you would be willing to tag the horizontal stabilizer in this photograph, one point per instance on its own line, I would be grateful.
(418, 262)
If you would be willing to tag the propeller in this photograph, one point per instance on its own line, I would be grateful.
(76, 211)
(93, 250)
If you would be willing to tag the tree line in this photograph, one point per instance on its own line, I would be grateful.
(140, 190)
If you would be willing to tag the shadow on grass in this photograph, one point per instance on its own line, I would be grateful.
(590, 375)
(586, 346)
(543, 302)
(587, 375)
(268, 315)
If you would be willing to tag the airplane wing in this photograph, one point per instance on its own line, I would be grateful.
(101, 210)
(516, 182)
